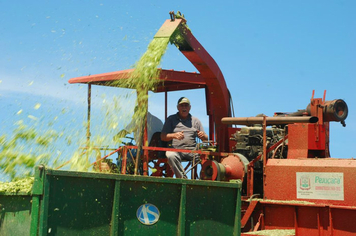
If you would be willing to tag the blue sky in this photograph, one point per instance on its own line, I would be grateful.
(273, 54)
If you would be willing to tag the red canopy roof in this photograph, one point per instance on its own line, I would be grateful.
(171, 80)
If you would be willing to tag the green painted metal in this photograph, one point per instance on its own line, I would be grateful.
(115, 210)
(82, 203)
(15, 214)
(37, 191)
(237, 223)
(181, 220)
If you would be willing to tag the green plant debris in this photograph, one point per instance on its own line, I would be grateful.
(29, 146)
(19, 186)
(283, 201)
(25, 149)
(177, 37)
(274, 232)
(145, 78)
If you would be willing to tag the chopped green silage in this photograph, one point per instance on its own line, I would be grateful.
(19, 186)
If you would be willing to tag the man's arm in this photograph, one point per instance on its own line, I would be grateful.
(200, 130)
(170, 136)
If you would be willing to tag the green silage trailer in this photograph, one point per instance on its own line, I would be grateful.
(87, 203)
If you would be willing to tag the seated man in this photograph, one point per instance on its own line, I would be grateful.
(182, 129)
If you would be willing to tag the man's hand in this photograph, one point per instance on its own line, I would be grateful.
(179, 135)
(202, 135)
(168, 137)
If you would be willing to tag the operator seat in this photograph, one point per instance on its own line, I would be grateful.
(157, 142)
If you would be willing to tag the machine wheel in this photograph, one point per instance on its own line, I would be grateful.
(212, 170)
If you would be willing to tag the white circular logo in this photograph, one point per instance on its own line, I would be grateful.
(148, 214)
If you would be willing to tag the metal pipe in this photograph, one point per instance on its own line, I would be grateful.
(165, 105)
(264, 150)
(88, 115)
(269, 120)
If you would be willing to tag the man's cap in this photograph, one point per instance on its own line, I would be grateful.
(183, 100)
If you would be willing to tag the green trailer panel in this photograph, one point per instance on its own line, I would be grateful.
(82, 203)
(15, 214)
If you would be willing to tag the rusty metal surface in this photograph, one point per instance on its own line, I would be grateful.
(168, 28)
(308, 141)
(305, 218)
(281, 179)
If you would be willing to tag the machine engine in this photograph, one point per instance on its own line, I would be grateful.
(249, 141)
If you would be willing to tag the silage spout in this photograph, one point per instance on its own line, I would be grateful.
(174, 30)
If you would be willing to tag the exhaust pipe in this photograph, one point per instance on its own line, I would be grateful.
(269, 120)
